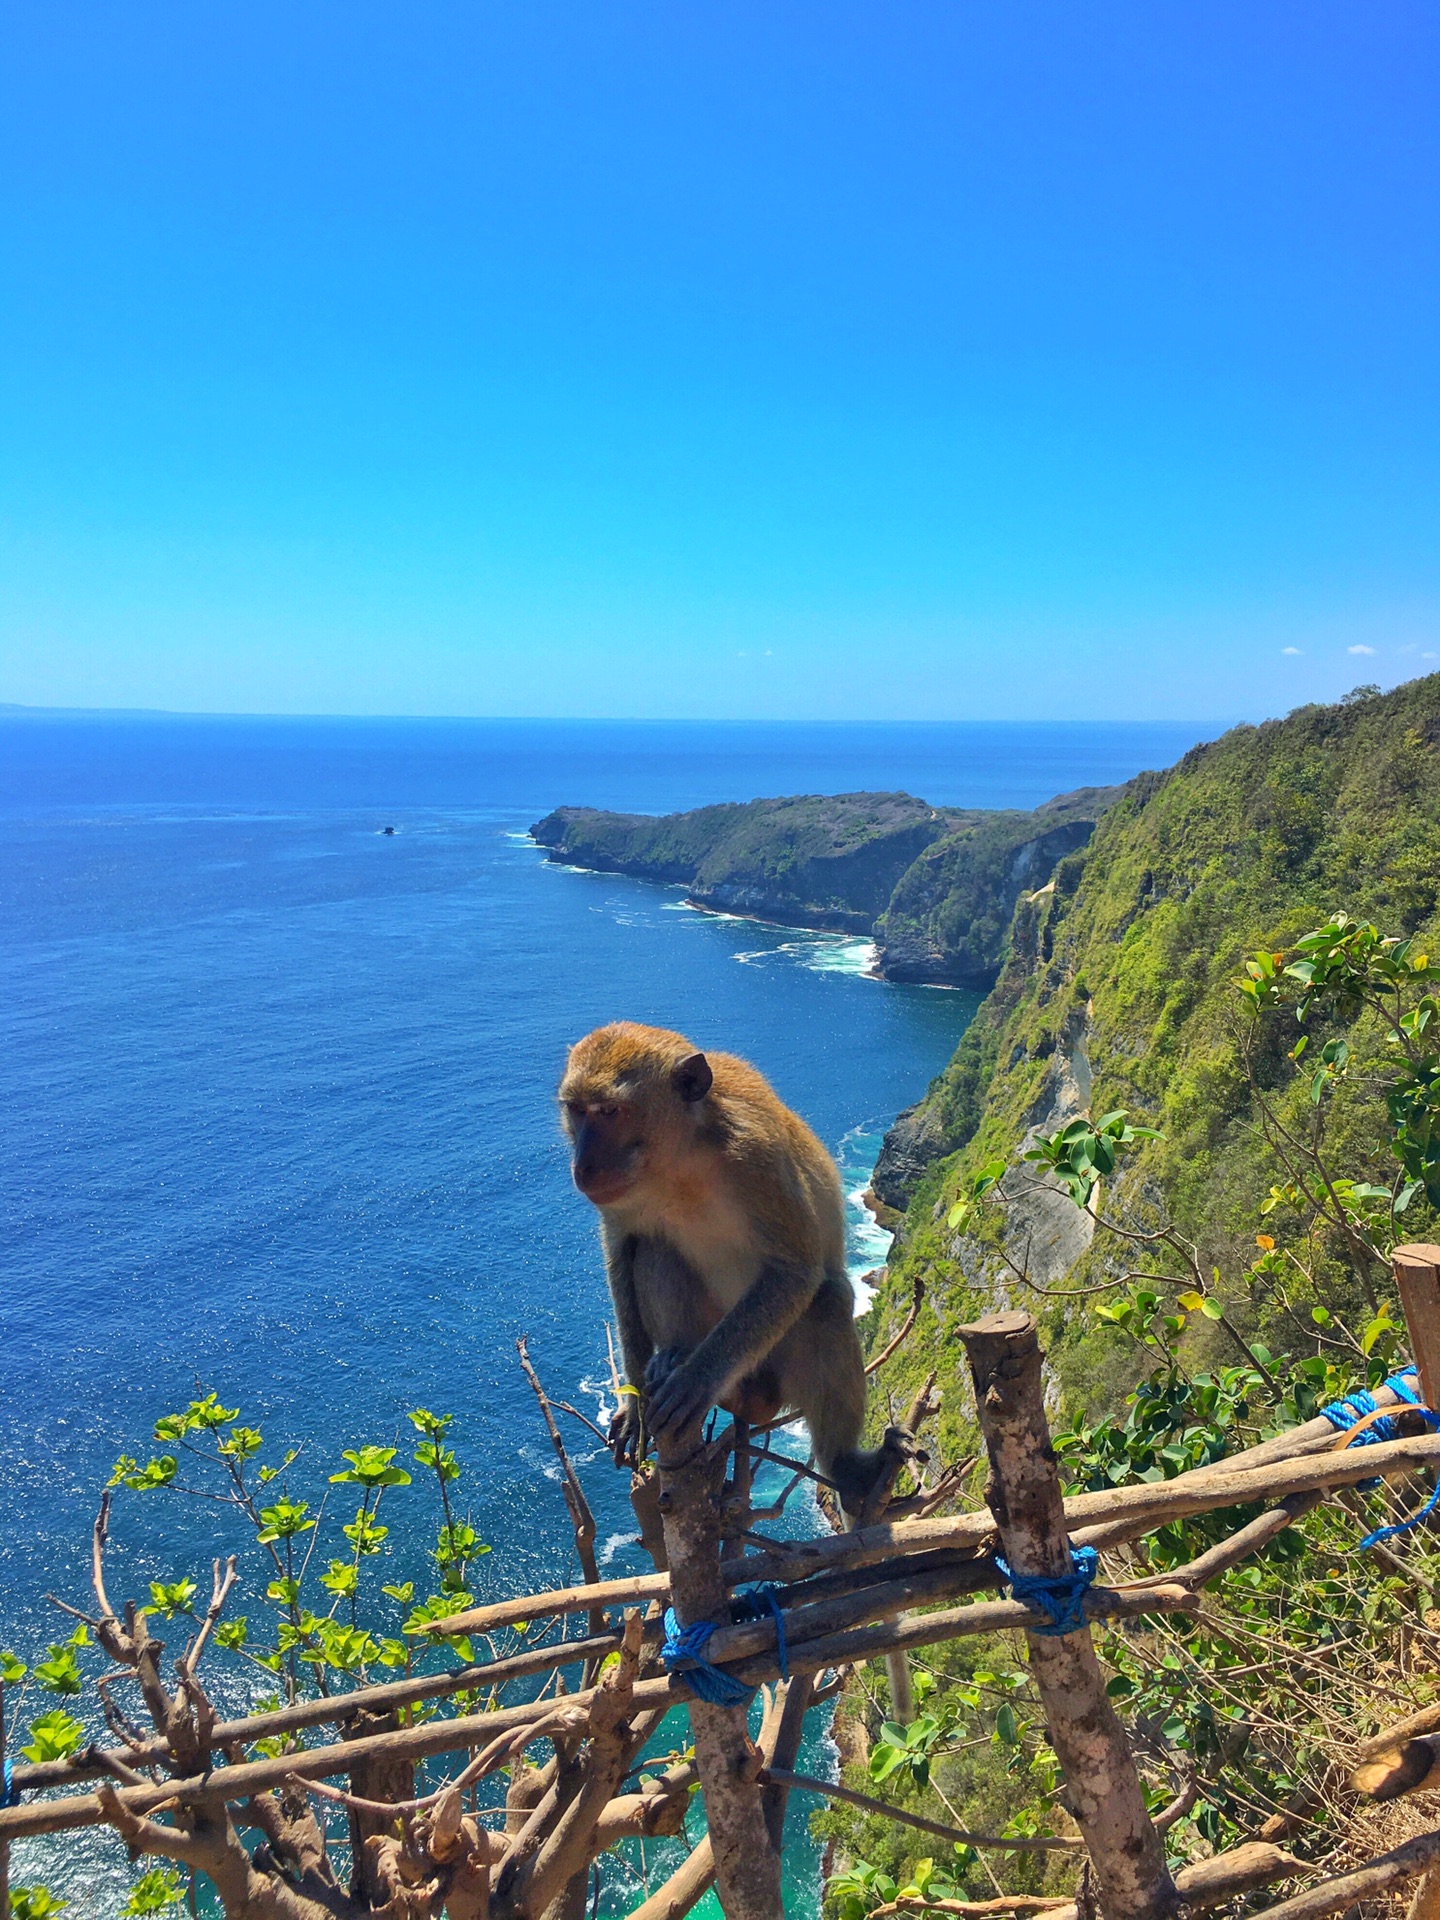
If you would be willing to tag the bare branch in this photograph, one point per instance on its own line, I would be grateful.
(833, 1791)
(893, 1346)
(219, 1593)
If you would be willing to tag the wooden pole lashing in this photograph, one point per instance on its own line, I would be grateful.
(1024, 1495)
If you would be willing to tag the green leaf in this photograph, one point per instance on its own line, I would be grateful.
(154, 1892)
(12, 1669)
(1005, 1725)
(60, 1671)
(284, 1521)
(343, 1577)
(370, 1467)
(34, 1903)
(169, 1597)
(53, 1736)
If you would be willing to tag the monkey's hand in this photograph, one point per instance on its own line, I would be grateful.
(623, 1438)
(678, 1392)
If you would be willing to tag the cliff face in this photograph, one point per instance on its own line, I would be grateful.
(936, 887)
(948, 917)
(1117, 990)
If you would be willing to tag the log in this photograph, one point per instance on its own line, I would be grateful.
(1251, 1478)
(437, 1737)
(336, 1709)
(1426, 1902)
(1365, 1883)
(685, 1888)
(1213, 1882)
(972, 1571)
(1423, 1720)
(1252, 1538)
(1145, 1504)
(1104, 1789)
(1404, 1769)
(692, 1880)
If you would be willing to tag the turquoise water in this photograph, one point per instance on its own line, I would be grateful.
(278, 1110)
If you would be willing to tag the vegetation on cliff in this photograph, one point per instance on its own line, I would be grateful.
(1185, 1131)
(1119, 988)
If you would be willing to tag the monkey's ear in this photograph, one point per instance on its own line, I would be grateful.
(692, 1079)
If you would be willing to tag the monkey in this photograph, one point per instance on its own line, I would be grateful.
(722, 1220)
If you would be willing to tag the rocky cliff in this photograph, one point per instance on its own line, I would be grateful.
(936, 887)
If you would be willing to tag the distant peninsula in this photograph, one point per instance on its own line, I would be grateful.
(934, 887)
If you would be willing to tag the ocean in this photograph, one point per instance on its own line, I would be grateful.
(278, 1114)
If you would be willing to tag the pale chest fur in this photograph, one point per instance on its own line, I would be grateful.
(711, 1231)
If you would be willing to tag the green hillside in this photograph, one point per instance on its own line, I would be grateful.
(1215, 1285)
(1118, 993)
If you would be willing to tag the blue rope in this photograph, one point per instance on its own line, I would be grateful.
(1343, 1414)
(10, 1794)
(705, 1680)
(1061, 1595)
(766, 1595)
(1404, 1526)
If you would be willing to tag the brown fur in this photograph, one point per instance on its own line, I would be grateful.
(723, 1223)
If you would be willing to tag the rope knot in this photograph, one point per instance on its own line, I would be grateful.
(685, 1648)
(1060, 1595)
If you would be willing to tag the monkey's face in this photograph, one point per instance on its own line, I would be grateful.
(630, 1101)
(607, 1148)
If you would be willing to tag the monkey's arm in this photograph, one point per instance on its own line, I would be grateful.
(636, 1347)
(754, 1325)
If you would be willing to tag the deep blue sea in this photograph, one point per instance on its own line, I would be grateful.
(277, 1113)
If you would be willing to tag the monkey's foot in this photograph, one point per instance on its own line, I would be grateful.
(864, 1479)
(623, 1438)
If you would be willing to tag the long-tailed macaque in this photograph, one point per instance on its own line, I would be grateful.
(723, 1225)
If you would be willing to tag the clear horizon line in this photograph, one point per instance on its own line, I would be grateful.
(608, 719)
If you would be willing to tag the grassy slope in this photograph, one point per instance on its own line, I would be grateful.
(1242, 845)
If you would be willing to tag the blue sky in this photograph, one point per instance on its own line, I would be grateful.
(940, 360)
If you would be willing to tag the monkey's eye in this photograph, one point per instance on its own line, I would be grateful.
(608, 1113)
(575, 1109)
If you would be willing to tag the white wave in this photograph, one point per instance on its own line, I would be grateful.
(867, 1243)
(614, 1545)
(844, 955)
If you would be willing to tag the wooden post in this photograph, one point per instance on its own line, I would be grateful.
(747, 1868)
(1417, 1275)
(1024, 1496)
